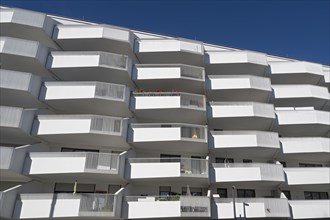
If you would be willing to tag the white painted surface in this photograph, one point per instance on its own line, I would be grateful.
(59, 91)
(155, 209)
(307, 175)
(63, 126)
(310, 209)
(300, 91)
(305, 145)
(156, 134)
(158, 73)
(296, 67)
(71, 60)
(169, 45)
(157, 102)
(46, 165)
(254, 210)
(154, 170)
(303, 117)
(216, 57)
(239, 82)
(237, 174)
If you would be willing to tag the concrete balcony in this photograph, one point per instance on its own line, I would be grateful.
(71, 166)
(19, 89)
(81, 205)
(170, 77)
(263, 208)
(94, 38)
(244, 143)
(248, 174)
(170, 51)
(82, 130)
(170, 136)
(311, 176)
(300, 96)
(15, 125)
(175, 169)
(28, 25)
(159, 207)
(306, 148)
(240, 115)
(91, 66)
(23, 55)
(310, 209)
(11, 164)
(326, 72)
(303, 122)
(296, 72)
(238, 88)
(235, 62)
(87, 98)
(169, 107)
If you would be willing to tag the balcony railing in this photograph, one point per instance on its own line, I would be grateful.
(192, 72)
(111, 91)
(188, 166)
(106, 125)
(273, 207)
(190, 206)
(187, 100)
(10, 116)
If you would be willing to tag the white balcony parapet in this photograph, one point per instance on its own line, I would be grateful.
(19, 89)
(169, 77)
(238, 88)
(306, 147)
(301, 122)
(15, 125)
(179, 136)
(241, 115)
(34, 206)
(91, 66)
(300, 95)
(169, 51)
(168, 206)
(82, 130)
(23, 55)
(254, 143)
(94, 37)
(27, 24)
(74, 162)
(326, 72)
(235, 62)
(6, 154)
(257, 208)
(307, 175)
(310, 209)
(87, 97)
(148, 168)
(296, 72)
(248, 172)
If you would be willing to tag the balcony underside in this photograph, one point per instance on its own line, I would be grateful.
(96, 44)
(87, 140)
(82, 177)
(26, 64)
(27, 32)
(19, 98)
(300, 102)
(179, 84)
(16, 136)
(313, 156)
(193, 180)
(171, 57)
(235, 68)
(304, 130)
(96, 106)
(252, 151)
(255, 95)
(12, 176)
(241, 123)
(177, 146)
(296, 78)
(181, 115)
(110, 75)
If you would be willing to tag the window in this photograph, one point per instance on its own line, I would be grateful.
(68, 188)
(164, 190)
(247, 161)
(246, 193)
(287, 193)
(170, 158)
(224, 160)
(309, 165)
(316, 195)
(222, 192)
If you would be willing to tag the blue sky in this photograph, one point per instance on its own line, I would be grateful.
(289, 28)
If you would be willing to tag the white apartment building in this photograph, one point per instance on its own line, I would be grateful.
(104, 122)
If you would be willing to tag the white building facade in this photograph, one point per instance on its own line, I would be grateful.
(104, 122)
